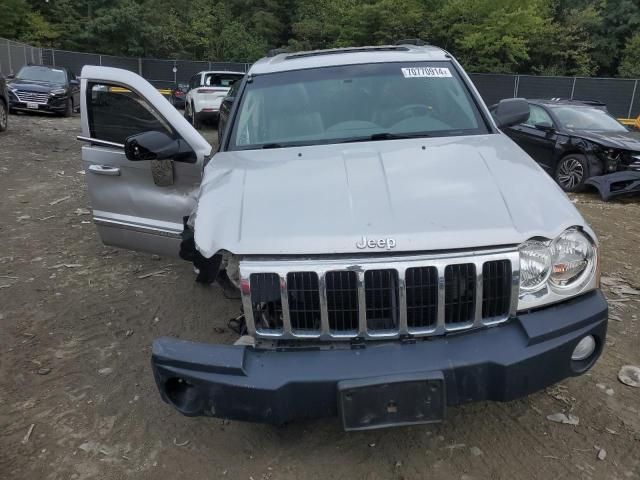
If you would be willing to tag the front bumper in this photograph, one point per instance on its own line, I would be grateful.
(502, 363)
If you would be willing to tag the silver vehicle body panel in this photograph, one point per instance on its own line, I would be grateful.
(423, 195)
(456, 193)
(129, 209)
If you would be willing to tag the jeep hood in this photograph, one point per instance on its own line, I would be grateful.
(425, 194)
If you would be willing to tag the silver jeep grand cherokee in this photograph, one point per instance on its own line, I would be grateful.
(395, 252)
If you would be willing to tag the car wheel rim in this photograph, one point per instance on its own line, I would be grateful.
(570, 173)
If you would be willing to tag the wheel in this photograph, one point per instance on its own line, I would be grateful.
(4, 116)
(68, 111)
(187, 112)
(571, 172)
(196, 121)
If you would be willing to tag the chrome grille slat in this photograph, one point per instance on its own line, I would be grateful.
(403, 327)
(34, 97)
(478, 307)
(362, 306)
(324, 315)
(284, 301)
(339, 308)
(440, 326)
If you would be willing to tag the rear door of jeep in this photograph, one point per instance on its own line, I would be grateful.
(138, 205)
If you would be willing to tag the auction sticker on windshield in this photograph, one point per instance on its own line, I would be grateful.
(421, 72)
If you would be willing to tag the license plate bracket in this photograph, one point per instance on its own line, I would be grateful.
(387, 401)
(32, 105)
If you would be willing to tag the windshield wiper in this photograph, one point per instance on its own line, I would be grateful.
(272, 145)
(385, 136)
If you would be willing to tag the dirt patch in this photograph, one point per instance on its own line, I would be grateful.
(77, 321)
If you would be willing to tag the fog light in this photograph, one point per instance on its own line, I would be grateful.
(584, 348)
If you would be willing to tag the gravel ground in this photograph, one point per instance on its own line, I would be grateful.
(79, 401)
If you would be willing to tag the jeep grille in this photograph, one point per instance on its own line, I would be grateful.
(378, 298)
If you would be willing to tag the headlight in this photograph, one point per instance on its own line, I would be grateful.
(554, 270)
(535, 265)
(58, 91)
(573, 253)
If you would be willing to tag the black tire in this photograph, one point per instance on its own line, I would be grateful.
(187, 109)
(571, 172)
(68, 111)
(4, 116)
(196, 121)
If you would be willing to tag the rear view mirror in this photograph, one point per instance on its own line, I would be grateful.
(511, 111)
(157, 146)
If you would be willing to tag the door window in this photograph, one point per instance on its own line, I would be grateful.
(537, 115)
(116, 113)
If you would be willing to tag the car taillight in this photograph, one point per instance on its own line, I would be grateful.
(179, 93)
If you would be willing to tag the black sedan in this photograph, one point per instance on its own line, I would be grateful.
(575, 140)
(44, 89)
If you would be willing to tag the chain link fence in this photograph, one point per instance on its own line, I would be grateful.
(13, 55)
(620, 95)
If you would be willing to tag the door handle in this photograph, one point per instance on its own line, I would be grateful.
(104, 170)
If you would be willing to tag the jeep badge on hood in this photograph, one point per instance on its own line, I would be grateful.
(387, 243)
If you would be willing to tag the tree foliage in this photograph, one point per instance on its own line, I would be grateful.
(554, 37)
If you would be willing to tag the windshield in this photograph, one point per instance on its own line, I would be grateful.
(42, 74)
(221, 79)
(354, 103)
(587, 118)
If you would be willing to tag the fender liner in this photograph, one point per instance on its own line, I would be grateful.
(208, 268)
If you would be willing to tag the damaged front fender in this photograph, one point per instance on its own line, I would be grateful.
(207, 269)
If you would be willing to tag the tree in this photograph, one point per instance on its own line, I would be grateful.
(552, 37)
(14, 16)
(630, 64)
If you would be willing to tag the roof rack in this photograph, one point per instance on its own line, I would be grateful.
(335, 51)
(412, 41)
(277, 51)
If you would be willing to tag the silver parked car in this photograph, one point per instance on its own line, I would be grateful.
(395, 252)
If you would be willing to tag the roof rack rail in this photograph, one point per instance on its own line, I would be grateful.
(277, 51)
(412, 41)
(335, 51)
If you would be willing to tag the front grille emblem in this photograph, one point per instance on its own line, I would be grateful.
(386, 243)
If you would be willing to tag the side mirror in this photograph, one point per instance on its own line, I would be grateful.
(11, 76)
(74, 83)
(229, 100)
(545, 127)
(511, 111)
(157, 146)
